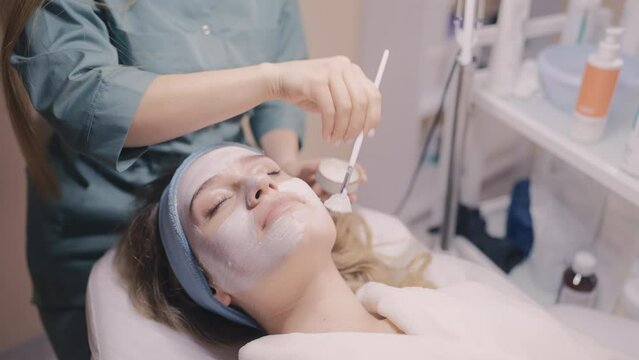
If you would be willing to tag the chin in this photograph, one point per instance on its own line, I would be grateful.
(317, 229)
(321, 229)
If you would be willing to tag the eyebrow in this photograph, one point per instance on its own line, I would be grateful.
(212, 179)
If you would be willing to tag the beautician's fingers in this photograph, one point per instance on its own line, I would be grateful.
(327, 110)
(343, 106)
(323, 195)
(303, 169)
(352, 197)
(311, 83)
(308, 169)
(374, 106)
(359, 100)
(362, 173)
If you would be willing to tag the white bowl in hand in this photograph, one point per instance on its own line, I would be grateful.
(330, 176)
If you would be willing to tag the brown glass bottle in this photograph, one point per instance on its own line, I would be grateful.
(579, 282)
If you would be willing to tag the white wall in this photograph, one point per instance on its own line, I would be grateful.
(404, 27)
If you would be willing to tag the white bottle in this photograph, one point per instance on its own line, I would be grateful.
(598, 85)
(628, 304)
(631, 159)
(629, 17)
(581, 18)
(508, 51)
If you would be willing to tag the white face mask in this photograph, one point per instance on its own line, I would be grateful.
(237, 255)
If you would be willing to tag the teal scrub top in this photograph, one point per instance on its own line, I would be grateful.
(86, 66)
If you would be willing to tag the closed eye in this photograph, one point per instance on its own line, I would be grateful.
(274, 173)
(213, 210)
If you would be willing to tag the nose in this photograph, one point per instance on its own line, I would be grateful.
(257, 186)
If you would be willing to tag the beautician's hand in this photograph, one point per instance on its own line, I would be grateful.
(307, 170)
(336, 88)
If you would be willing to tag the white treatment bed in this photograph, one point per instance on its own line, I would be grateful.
(117, 331)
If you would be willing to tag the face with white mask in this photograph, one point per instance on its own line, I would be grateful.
(245, 218)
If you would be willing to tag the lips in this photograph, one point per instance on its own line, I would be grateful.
(278, 207)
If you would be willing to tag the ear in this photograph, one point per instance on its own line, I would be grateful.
(221, 296)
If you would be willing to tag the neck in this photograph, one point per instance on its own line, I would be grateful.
(326, 304)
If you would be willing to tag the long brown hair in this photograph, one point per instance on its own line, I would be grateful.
(24, 120)
(156, 292)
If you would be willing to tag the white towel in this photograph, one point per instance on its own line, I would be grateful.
(465, 320)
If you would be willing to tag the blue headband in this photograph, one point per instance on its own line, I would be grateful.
(178, 251)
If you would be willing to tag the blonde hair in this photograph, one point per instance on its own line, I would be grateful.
(156, 292)
(356, 259)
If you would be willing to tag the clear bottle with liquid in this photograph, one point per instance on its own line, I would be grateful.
(579, 281)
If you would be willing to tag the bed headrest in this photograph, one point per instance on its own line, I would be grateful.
(118, 331)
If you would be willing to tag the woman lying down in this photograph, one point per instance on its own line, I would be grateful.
(233, 250)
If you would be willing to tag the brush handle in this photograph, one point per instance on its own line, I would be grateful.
(360, 138)
(347, 179)
(381, 68)
(352, 161)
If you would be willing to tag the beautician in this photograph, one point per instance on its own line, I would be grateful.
(131, 87)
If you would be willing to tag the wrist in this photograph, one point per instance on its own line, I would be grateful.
(271, 80)
(284, 160)
(291, 166)
(281, 145)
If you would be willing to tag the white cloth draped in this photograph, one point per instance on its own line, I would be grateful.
(465, 320)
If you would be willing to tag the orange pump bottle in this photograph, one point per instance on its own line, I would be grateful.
(597, 88)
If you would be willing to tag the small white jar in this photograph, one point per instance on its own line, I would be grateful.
(330, 176)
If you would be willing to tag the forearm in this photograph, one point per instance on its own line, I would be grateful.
(175, 105)
(281, 145)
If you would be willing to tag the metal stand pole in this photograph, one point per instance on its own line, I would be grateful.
(455, 151)
(465, 37)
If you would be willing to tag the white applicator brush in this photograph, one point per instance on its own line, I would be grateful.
(340, 203)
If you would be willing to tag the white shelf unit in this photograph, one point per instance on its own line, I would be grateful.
(543, 124)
